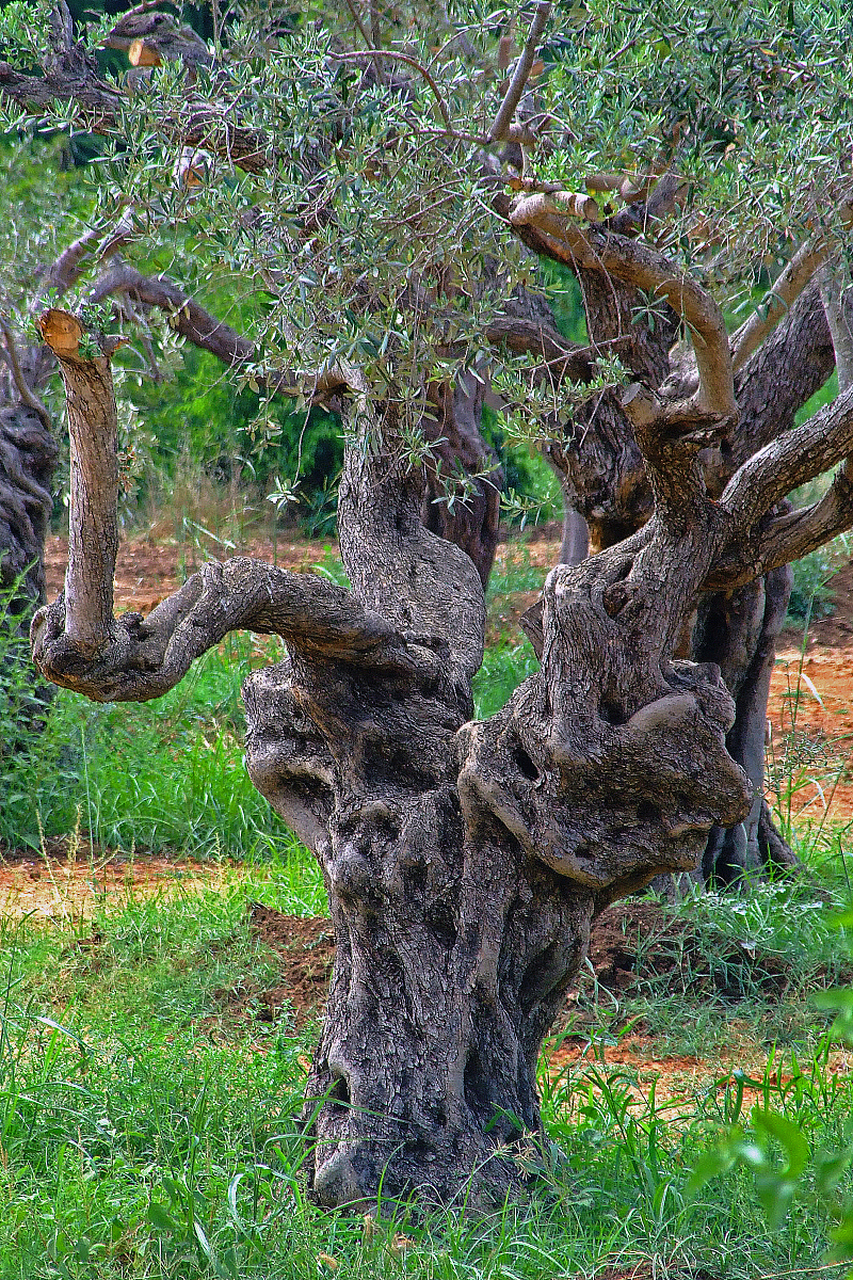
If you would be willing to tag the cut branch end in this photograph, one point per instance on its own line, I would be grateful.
(62, 332)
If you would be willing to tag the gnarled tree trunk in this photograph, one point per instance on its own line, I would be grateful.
(27, 459)
(604, 481)
(463, 860)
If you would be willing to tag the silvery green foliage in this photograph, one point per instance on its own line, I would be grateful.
(370, 238)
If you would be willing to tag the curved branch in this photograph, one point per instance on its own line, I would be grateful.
(185, 315)
(560, 358)
(25, 391)
(835, 287)
(188, 318)
(662, 199)
(788, 536)
(789, 461)
(777, 302)
(791, 364)
(790, 283)
(65, 270)
(785, 538)
(77, 642)
(138, 659)
(644, 268)
(373, 54)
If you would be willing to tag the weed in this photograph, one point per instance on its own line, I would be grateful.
(503, 669)
(811, 594)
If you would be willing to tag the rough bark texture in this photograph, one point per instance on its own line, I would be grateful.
(605, 482)
(463, 860)
(27, 459)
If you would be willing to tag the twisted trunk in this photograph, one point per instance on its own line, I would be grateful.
(463, 860)
(605, 482)
(27, 459)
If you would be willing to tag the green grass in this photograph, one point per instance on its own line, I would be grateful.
(737, 972)
(811, 594)
(149, 1121)
(146, 1130)
(169, 776)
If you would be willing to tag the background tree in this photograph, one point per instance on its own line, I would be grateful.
(384, 210)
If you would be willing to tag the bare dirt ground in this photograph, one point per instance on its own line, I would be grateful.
(811, 739)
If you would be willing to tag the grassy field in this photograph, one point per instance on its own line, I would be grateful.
(698, 1124)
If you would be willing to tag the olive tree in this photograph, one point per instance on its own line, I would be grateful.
(386, 191)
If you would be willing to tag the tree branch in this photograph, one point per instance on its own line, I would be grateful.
(791, 364)
(93, 533)
(99, 107)
(507, 109)
(644, 268)
(78, 643)
(393, 55)
(777, 302)
(560, 359)
(25, 391)
(792, 459)
(198, 326)
(835, 292)
(790, 283)
(788, 537)
(64, 272)
(186, 316)
(640, 214)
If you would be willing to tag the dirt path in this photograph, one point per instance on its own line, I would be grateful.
(69, 881)
(147, 571)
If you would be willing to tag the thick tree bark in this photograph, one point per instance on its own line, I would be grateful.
(463, 860)
(604, 480)
(27, 460)
(462, 502)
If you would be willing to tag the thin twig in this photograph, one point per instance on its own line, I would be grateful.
(521, 74)
(412, 62)
(147, 5)
(28, 396)
(358, 22)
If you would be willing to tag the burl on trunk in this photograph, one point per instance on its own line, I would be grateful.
(464, 860)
